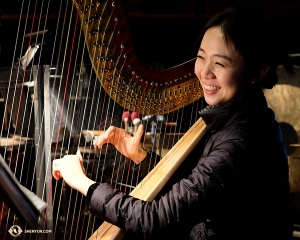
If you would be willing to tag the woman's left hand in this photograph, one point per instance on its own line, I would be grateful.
(71, 169)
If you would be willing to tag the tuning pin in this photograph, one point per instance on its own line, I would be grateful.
(126, 118)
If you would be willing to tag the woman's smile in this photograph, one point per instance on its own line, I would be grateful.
(209, 89)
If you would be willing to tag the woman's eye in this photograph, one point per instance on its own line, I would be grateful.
(217, 63)
(200, 57)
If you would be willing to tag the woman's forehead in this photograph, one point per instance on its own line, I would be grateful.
(214, 39)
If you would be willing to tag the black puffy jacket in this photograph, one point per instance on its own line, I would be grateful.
(239, 188)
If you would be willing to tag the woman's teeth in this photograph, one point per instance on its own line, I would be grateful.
(211, 87)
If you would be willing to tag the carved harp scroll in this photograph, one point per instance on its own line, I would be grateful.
(124, 78)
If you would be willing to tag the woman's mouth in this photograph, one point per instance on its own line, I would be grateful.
(211, 88)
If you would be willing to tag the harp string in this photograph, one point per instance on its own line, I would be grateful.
(38, 65)
(109, 64)
(76, 228)
(133, 182)
(127, 162)
(130, 162)
(27, 134)
(60, 117)
(69, 138)
(105, 96)
(31, 108)
(7, 98)
(18, 112)
(157, 123)
(174, 115)
(111, 89)
(68, 209)
(89, 155)
(76, 198)
(143, 143)
(19, 145)
(52, 93)
(85, 147)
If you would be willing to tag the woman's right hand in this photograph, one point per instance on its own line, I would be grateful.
(126, 144)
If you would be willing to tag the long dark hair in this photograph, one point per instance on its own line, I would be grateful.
(245, 29)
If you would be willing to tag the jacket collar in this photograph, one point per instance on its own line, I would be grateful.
(251, 98)
(215, 116)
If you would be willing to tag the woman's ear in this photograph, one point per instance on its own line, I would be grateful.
(264, 68)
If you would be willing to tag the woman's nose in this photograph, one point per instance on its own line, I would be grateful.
(207, 71)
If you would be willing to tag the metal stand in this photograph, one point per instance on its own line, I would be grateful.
(42, 142)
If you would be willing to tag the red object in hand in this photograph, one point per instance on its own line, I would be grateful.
(134, 115)
(126, 117)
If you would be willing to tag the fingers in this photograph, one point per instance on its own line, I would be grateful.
(104, 138)
(140, 130)
(111, 135)
(55, 170)
(56, 174)
(67, 166)
(78, 154)
(138, 134)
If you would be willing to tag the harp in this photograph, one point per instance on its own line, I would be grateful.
(72, 102)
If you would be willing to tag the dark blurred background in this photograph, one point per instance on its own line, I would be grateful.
(164, 31)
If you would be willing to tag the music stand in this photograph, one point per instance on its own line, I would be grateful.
(24, 203)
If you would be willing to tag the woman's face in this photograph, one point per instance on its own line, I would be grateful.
(219, 67)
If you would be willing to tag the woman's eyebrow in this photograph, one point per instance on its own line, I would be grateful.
(224, 56)
(200, 49)
(219, 55)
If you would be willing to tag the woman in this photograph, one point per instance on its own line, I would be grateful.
(239, 188)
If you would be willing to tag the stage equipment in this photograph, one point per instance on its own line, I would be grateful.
(36, 40)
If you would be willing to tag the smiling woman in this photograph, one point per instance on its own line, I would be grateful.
(219, 68)
(238, 186)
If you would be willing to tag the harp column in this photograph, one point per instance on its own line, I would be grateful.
(42, 137)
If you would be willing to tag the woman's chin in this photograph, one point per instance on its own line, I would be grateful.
(211, 102)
